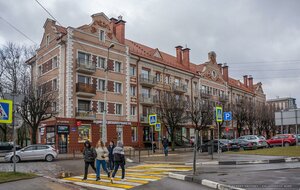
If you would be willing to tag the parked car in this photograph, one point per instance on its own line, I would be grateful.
(234, 144)
(7, 147)
(282, 139)
(259, 142)
(298, 137)
(223, 146)
(33, 152)
(247, 145)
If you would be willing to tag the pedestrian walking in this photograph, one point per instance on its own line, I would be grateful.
(119, 159)
(110, 148)
(89, 155)
(102, 158)
(165, 143)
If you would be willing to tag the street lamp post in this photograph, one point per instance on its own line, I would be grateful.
(104, 127)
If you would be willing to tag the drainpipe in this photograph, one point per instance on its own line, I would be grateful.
(138, 98)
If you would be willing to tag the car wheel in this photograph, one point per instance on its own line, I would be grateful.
(286, 144)
(17, 159)
(49, 158)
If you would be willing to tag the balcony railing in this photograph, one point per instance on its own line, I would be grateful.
(223, 98)
(85, 114)
(179, 88)
(147, 80)
(87, 90)
(144, 119)
(86, 66)
(205, 94)
(149, 100)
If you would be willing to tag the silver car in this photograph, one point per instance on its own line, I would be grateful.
(33, 152)
(259, 142)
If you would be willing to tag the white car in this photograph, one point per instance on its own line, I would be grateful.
(33, 152)
(258, 142)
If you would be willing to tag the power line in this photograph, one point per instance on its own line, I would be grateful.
(15, 28)
(48, 12)
(269, 61)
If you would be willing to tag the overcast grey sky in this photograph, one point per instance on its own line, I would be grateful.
(254, 37)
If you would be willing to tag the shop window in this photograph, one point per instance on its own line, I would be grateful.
(84, 133)
(134, 133)
(50, 137)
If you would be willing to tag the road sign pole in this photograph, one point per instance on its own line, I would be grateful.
(218, 124)
(152, 127)
(14, 132)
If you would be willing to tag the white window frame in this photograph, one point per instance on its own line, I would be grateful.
(115, 68)
(133, 110)
(132, 68)
(40, 70)
(103, 85)
(54, 63)
(99, 107)
(47, 40)
(54, 106)
(55, 84)
(116, 89)
(132, 90)
(134, 138)
(102, 35)
(121, 107)
(99, 64)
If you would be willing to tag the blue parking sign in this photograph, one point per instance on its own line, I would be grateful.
(227, 116)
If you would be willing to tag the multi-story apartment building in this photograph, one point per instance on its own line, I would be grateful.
(73, 64)
(283, 103)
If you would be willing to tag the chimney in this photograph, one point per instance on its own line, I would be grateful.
(114, 21)
(220, 67)
(120, 30)
(186, 57)
(179, 54)
(250, 80)
(225, 72)
(246, 80)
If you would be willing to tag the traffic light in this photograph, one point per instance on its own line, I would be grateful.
(226, 129)
(78, 123)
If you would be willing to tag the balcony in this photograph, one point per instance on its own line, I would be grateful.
(148, 81)
(223, 98)
(144, 119)
(85, 115)
(148, 100)
(85, 90)
(86, 66)
(179, 88)
(205, 94)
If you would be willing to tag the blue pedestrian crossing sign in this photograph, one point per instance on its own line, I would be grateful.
(227, 116)
(219, 114)
(6, 107)
(152, 119)
(157, 127)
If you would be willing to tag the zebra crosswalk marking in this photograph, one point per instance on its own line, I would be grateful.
(135, 175)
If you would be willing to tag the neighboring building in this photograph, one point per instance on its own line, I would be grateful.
(71, 61)
(283, 103)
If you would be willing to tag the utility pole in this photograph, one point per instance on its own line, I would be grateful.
(104, 127)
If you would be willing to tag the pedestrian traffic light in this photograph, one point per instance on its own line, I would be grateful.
(78, 123)
(226, 129)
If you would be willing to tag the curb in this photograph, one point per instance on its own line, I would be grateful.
(232, 162)
(204, 182)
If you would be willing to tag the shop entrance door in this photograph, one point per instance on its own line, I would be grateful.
(63, 143)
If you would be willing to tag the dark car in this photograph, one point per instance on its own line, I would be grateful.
(234, 145)
(205, 146)
(246, 145)
(7, 147)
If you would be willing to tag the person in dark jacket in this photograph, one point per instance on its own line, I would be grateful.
(89, 155)
(165, 143)
(110, 149)
(119, 158)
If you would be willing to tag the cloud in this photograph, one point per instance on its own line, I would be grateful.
(238, 31)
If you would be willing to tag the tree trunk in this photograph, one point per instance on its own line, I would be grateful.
(173, 140)
(33, 134)
(195, 151)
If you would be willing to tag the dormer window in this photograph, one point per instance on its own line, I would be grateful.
(47, 40)
(102, 35)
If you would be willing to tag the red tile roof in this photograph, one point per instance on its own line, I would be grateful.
(237, 84)
(166, 59)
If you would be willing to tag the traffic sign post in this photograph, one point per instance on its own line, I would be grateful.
(219, 118)
(6, 111)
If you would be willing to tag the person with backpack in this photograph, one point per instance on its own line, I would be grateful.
(102, 158)
(119, 159)
(110, 148)
(89, 155)
(165, 143)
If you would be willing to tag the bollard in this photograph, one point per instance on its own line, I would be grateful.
(139, 155)
(73, 154)
(130, 153)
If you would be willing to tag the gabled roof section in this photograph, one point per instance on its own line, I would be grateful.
(156, 55)
(101, 14)
(239, 85)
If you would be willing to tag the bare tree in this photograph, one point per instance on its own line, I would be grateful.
(240, 115)
(36, 108)
(250, 115)
(173, 113)
(201, 114)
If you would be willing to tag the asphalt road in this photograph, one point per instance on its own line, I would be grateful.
(171, 184)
